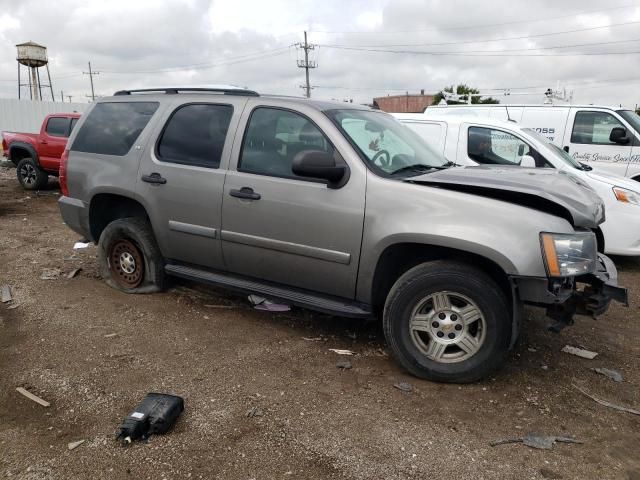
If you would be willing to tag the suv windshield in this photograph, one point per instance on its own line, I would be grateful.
(564, 156)
(632, 117)
(388, 146)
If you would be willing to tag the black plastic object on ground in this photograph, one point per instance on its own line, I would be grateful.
(155, 414)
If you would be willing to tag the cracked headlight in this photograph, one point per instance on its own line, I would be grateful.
(569, 255)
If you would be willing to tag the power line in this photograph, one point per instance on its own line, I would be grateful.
(489, 40)
(495, 53)
(486, 25)
(249, 57)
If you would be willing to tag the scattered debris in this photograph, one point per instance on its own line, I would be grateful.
(155, 414)
(580, 352)
(254, 412)
(15, 305)
(222, 306)
(32, 397)
(312, 339)
(74, 272)
(606, 403)
(110, 335)
(261, 303)
(50, 274)
(341, 352)
(74, 445)
(536, 440)
(404, 386)
(614, 375)
(79, 245)
(5, 293)
(344, 364)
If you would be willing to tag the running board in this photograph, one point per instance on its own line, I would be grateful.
(300, 298)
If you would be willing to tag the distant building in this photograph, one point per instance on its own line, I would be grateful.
(404, 103)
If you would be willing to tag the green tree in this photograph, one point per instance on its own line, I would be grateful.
(462, 90)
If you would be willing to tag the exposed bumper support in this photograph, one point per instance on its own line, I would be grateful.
(564, 299)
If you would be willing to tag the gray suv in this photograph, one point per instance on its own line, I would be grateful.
(337, 208)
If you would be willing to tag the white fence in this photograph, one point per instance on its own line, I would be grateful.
(27, 115)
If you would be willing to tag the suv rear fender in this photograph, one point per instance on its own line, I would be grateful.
(20, 150)
(104, 208)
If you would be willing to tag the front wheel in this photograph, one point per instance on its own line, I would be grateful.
(129, 257)
(447, 321)
(30, 175)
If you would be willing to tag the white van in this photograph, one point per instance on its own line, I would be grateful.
(604, 137)
(473, 140)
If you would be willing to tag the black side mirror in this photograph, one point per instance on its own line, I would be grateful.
(319, 164)
(619, 135)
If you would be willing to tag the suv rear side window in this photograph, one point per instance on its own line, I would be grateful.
(195, 135)
(58, 127)
(113, 128)
(594, 128)
(274, 137)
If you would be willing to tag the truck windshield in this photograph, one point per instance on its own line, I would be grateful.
(564, 156)
(389, 147)
(632, 117)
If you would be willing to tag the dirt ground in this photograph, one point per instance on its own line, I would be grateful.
(318, 422)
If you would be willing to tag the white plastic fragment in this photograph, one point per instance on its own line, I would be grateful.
(5, 291)
(79, 245)
(74, 445)
(580, 352)
(614, 375)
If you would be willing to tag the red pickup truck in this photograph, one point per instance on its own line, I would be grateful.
(37, 155)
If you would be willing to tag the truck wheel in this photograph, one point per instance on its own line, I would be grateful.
(30, 175)
(447, 321)
(129, 257)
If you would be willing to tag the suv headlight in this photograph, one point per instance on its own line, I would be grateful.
(568, 255)
(626, 196)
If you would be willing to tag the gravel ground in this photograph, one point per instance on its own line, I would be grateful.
(318, 421)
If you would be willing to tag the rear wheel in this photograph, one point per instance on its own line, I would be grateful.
(448, 322)
(129, 257)
(30, 175)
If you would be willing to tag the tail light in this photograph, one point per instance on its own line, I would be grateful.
(62, 173)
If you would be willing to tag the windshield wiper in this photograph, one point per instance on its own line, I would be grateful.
(421, 168)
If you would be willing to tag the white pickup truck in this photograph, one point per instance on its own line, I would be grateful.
(604, 136)
(475, 140)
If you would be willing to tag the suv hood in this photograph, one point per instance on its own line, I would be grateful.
(556, 192)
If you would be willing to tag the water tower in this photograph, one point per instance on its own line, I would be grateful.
(33, 56)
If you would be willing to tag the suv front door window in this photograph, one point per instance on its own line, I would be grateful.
(495, 147)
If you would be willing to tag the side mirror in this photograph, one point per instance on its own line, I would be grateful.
(619, 135)
(528, 162)
(319, 164)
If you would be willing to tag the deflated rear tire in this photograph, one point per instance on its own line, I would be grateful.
(30, 175)
(448, 322)
(129, 257)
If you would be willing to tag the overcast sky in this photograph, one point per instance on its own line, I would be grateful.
(137, 43)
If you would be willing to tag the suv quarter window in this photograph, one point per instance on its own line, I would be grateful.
(594, 128)
(58, 127)
(272, 139)
(113, 127)
(195, 135)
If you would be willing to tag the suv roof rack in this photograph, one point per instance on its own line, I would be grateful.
(175, 90)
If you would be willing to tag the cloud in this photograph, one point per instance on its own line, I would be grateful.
(250, 43)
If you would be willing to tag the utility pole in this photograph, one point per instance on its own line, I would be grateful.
(69, 97)
(91, 74)
(306, 64)
(61, 96)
